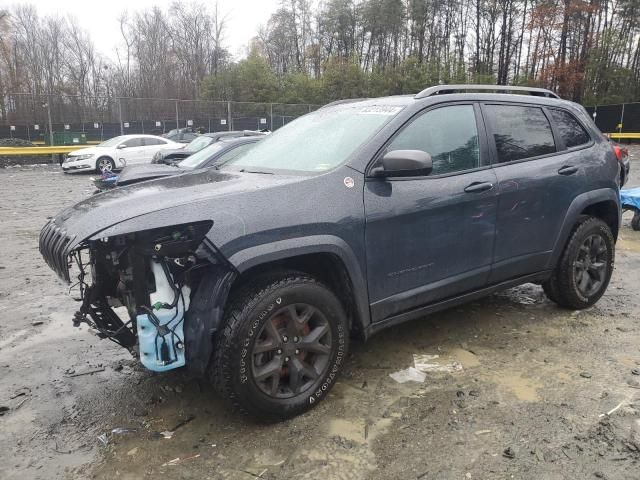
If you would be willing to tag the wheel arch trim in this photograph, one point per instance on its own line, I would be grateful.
(259, 255)
(579, 205)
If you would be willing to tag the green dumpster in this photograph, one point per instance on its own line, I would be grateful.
(67, 138)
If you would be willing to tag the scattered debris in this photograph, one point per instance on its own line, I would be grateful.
(104, 439)
(179, 460)
(3, 409)
(482, 432)
(424, 363)
(132, 452)
(167, 434)
(20, 392)
(123, 431)
(408, 375)
(509, 452)
(635, 371)
(36, 323)
(585, 375)
(88, 372)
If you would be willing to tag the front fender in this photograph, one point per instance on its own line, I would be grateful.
(257, 255)
(579, 204)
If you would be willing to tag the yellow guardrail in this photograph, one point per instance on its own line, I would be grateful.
(624, 136)
(11, 151)
(89, 142)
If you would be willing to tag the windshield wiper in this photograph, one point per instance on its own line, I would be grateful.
(254, 171)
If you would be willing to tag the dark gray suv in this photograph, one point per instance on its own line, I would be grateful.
(349, 220)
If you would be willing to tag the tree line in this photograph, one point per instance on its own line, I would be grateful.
(318, 51)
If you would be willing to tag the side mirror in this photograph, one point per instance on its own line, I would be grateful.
(121, 146)
(404, 163)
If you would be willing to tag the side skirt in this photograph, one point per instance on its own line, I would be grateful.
(452, 302)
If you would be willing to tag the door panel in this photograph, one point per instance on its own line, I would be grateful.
(534, 192)
(428, 238)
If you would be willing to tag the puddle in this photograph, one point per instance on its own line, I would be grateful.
(525, 389)
(465, 357)
(349, 429)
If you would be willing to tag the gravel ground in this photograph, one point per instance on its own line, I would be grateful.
(519, 392)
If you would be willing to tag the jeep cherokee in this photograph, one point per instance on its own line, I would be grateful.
(351, 219)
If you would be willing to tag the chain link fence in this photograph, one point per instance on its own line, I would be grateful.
(618, 118)
(35, 117)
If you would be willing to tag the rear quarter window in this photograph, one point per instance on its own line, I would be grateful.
(572, 132)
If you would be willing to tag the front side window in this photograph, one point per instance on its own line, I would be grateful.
(573, 134)
(520, 132)
(448, 134)
(233, 153)
(318, 141)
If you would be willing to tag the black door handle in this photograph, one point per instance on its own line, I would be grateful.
(568, 170)
(477, 187)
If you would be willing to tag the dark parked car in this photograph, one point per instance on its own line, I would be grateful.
(217, 153)
(348, 220)
(181, 135)
(170, 157)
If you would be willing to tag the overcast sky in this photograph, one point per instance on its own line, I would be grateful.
(100, 18)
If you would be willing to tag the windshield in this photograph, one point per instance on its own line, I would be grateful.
(319, 141)
(112, 142)
(198, 144)
(195, 160)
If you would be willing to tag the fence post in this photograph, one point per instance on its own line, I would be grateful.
(49, 120)
(271, 117)
(177, 116)
(120, 115)
(621, 120)
(229, 116)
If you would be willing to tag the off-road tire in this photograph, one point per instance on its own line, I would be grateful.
(247, 312)
(562, 287)
(100, 160)
(635, 221)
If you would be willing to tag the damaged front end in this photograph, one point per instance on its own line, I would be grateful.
(170, 284)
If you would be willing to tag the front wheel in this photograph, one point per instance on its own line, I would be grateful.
(283, 344)
(585, 267)
(105, 165)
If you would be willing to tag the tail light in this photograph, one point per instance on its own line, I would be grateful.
(621, 152)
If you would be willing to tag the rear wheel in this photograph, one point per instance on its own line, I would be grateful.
(585, 267)
(105, 165)
(283, 344)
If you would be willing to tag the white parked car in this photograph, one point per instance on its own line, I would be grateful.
(117, 152)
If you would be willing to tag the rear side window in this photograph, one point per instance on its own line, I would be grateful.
(520, 132)
(573, 134)
(153, 141)
(448, 134)
(133, 142)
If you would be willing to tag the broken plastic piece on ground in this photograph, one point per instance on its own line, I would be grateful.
(425, 364)
(167, 434)
(120, 430)
(179, 460)
(408, 375)
(103, 439)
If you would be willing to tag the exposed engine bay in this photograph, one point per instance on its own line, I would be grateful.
(172, 283)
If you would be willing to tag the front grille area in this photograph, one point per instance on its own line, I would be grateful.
(53, 247)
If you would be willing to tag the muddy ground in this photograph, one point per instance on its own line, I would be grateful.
(519, 390)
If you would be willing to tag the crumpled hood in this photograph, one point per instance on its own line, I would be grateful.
(174, 200)
(139, 173)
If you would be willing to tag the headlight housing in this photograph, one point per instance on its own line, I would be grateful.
(80, 157)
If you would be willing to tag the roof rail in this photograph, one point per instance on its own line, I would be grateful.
(444, 89)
